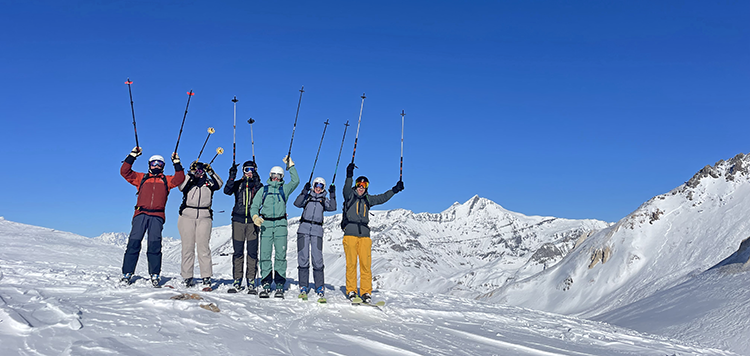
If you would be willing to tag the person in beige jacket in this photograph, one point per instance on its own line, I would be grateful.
(196, 217)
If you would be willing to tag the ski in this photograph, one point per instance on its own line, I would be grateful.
(302, 296)
(279, 294)
(322, 300)
(264, 294)
(231, 290)
(376, 304)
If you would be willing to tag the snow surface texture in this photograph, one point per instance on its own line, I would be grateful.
(59, 295)
(677, 266)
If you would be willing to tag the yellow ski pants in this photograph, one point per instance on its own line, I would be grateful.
(358, 247)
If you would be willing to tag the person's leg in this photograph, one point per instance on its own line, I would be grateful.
(202, 240)
(350, 250)
(365, 259)
(186, 228)
(133, 250)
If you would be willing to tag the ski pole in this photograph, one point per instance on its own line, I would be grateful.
(295, 121)
(218, 152)
(132, 110)
(356, 137)
(252, 140)
(316, 155)
(346, 126)
(210, 131)
(190, 94)
(401, 169)
(234, 136)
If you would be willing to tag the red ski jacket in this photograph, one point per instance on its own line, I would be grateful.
(153, 192)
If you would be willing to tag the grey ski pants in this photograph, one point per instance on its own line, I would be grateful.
(244, 233)
(310, 246)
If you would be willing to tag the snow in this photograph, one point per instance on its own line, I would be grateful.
(671, 278)
(59, 296)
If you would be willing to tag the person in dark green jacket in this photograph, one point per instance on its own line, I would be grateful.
(269, 213)
(357, 242)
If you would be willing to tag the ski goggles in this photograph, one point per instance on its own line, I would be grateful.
(248, 169)
(277, 176)
(155, 164)
(318, 185)
(362, 185)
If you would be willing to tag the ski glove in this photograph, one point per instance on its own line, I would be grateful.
(137, 151)
(207, 168)
(175, 158)
(288, 161)
(257, 220)
(350, 170)
(233, 170)
(332, 189)
(307, 187)
(398, 187)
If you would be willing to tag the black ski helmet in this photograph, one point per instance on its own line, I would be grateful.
(250, 164)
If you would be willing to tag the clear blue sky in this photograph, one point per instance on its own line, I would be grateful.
(574, 109)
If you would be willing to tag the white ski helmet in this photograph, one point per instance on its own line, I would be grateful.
(156, 158)
(319, 180)
(277, 170)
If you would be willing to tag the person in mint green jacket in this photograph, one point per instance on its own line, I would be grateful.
(269, 213)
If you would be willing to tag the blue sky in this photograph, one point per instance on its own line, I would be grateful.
(582, 109)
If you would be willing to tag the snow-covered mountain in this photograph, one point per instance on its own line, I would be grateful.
(676, 245)
(466, 250)
(59, 295)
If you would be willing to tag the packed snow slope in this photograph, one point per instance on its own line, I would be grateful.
(672, 266)
(59, 296)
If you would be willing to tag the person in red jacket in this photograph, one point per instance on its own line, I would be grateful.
(153, 189)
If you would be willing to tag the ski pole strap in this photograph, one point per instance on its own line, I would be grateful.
(302, 220)
(140, 208)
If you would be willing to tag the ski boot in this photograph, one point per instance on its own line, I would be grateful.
(265, 291)
(189, 282)
(207, 284)
(279, 293)
(353, 297)
(303, 293)
(366, 298)
(126, 278)
(251, 288)
(321, 294)
(237, 284)
(155, 281)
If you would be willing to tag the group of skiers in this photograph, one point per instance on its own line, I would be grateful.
(259, 224)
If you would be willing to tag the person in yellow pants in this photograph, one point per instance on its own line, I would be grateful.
(357, 242)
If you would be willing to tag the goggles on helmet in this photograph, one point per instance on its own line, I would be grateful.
(362, 184)
(156, 163)
(318, 185)
(248, 169)
(276, 175)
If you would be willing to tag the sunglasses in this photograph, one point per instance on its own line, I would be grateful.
(318, 185)
(248, 169)
(156, 164)
(362, 184)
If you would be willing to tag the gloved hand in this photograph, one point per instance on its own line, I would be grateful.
(288, 161)
(350, 170)
(233, 170)
(307, 187)
(332, 189)
(207, 168)
(257, 220)
(175, 158)
(137, 151)
(398, 187)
